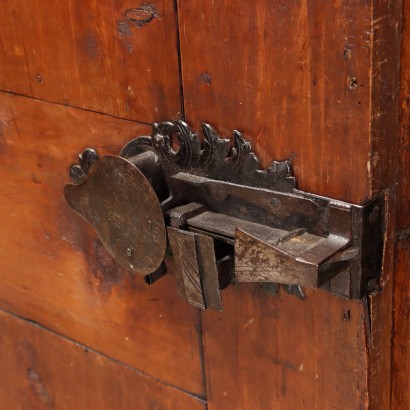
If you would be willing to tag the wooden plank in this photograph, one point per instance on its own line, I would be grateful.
(315, 82)
(401, 348)
(53, 268)
(401, 297)
(293, 76)
(100, 55)
(403, 189)
(264, 351)
(386, 19)
(41, 370)
(14, 74)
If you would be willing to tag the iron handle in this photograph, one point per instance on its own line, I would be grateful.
(223, 218)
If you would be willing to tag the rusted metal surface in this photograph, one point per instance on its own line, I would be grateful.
(226, 219)
(223, 227)
(200, 275)
(178, 216)
(209, 272)
(216, 159)
(259, 261)
(121, 205)
(186, 264)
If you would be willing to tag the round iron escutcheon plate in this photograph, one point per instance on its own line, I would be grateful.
(121, 205)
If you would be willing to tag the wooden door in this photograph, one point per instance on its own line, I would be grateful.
(316, 82)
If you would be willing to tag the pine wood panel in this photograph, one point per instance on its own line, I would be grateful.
(53, 268)
(89, 54)
(40, 370)
(268, 352)
(14, 73)
(312, 81)
(401, 349)
(293, 76)
(403, 188)
(401, 337)
(385, 29)
(315, 82)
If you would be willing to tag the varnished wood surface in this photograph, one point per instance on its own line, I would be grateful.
(40, 370)
(88, 54)
(401, 348)
(53, 268)
(401, 337)
(403, 188)
(316, 82)
(295, 77)
(386, 30)
(385, 27)
(269, 352)
(312, 81)
(14, 74)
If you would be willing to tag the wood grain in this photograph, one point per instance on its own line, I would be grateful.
(401, 336)
(40, 370)
(385, 26)
(401, 348)
(14, 73)
(386, 29)
(295, 77)
(403, 188)
(316, 82)
(273, 352)
(92, 54)
(185, 258)
(53, 268)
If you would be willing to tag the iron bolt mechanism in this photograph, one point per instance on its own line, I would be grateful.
(223, 218)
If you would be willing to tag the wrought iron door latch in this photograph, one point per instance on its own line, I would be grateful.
(223, 219)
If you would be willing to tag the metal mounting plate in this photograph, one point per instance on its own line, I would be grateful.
(226, 219)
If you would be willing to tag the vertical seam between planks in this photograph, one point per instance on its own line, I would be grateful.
(202, 356)
(178, 46)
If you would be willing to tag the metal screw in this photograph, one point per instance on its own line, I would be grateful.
(275, 203)
(346, 315)
(374, 215)
(129, 252)
(371, 283)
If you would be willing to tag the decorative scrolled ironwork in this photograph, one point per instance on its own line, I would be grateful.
(215, 158)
